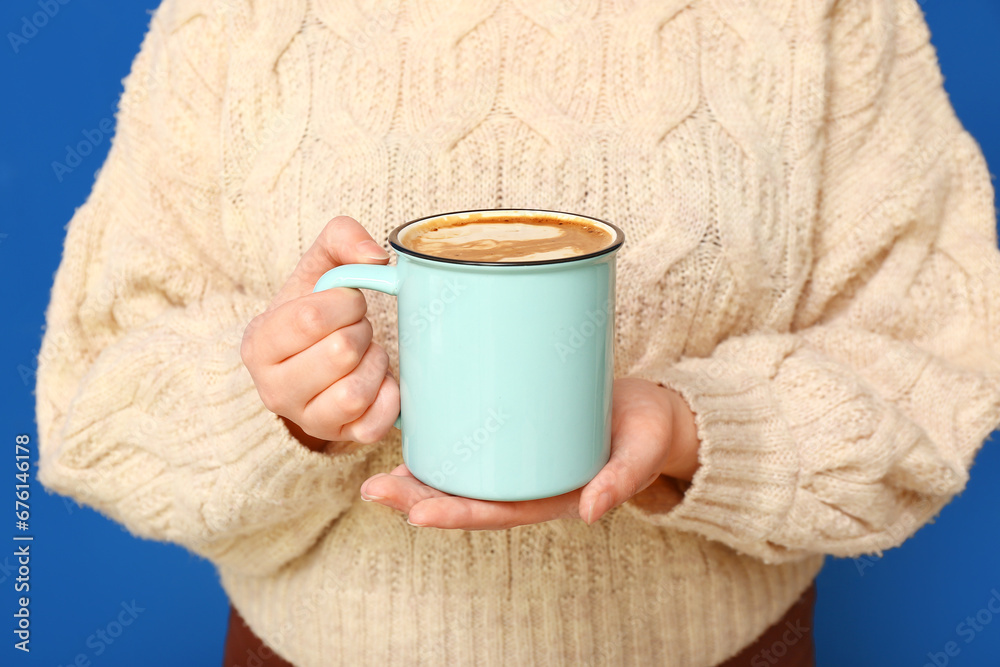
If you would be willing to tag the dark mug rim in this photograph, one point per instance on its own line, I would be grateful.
(612, 247)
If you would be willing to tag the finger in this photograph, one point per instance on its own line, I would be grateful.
(377, 420)
(342, 241)
(348, 398)
(398, 492)
(279, 333)
(637, 454)
(317, 367)
(470, 514)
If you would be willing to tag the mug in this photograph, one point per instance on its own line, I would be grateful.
(505, 368)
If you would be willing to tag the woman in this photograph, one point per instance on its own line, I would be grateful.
(808, 353)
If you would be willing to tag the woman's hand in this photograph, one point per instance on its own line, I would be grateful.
(311, 355)
(652, 434)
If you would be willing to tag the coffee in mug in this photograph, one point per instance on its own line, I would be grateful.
(503, 237)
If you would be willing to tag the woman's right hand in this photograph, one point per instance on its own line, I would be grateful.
(311, 355)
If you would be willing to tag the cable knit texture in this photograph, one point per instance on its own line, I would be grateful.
(811, 261)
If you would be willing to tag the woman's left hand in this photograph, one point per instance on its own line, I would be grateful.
(653, 433)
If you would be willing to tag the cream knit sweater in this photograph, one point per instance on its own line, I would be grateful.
(811, 261)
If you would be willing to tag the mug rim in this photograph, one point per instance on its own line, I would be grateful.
(610, 248)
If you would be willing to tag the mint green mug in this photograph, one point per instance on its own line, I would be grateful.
(505, 369)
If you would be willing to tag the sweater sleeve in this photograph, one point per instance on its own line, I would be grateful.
(145, 411)
(847, 433)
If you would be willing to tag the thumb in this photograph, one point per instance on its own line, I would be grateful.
(342, 241)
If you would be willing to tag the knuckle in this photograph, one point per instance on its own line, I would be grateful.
(309, 263)
(373, 428)
(609, 477)
(310, 426)
(272, 400)
(392, 391)
(333, 231)
(344, 351)
(282, 407)
(366, 433)
(338, 225)
(381, 358)
(350, 396)
(309, 320)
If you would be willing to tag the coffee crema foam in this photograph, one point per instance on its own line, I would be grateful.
(506, 239)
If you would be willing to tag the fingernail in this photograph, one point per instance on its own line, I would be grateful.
(598, 507)
(418, 525)
(372, 250)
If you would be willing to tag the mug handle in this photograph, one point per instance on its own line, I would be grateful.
(378, 277)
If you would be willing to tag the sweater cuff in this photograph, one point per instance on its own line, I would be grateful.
(744, 487)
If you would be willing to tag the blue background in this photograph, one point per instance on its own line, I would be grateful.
(66, 79)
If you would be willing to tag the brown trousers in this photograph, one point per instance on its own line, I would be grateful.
(787, 643)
